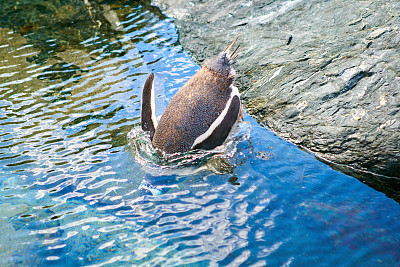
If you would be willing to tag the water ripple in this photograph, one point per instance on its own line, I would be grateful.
(82, 185)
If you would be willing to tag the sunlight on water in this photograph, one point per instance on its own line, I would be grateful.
(82, 185)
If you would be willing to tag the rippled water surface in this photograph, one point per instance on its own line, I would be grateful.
(79, 185)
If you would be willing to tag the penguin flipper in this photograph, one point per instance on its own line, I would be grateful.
(148, 115)
(223, 126)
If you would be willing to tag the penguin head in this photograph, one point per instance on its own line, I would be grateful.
(222, 64)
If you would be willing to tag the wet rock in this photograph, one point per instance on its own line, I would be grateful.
(323, 74)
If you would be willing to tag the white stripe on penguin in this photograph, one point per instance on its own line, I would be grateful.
(153, 108)
(204, 136)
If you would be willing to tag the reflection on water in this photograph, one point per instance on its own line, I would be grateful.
(80, 184)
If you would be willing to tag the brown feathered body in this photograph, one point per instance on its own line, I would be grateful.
(202, 113)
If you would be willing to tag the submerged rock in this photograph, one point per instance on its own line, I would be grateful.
(323, 74)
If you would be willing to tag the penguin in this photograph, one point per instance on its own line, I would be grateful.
(201, 114)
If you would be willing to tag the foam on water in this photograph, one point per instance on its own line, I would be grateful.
(221, 160)
(150, 159)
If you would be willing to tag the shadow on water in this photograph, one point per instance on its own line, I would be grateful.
(82, 185)
(390, 186)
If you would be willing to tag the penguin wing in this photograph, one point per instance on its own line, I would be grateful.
(148, 116)
(221, 127)
(194, 119)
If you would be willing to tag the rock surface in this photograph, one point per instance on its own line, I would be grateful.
(322, 74)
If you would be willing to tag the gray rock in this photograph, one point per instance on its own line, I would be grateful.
(322, 74)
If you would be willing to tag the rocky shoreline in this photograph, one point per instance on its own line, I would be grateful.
(323, 74)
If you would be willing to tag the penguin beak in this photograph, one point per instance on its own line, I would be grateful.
(231, 44)
(232, 57)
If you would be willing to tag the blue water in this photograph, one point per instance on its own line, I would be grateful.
(79, 185)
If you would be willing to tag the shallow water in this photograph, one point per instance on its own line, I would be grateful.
(80, 187)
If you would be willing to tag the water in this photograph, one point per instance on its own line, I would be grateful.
(80, 187)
